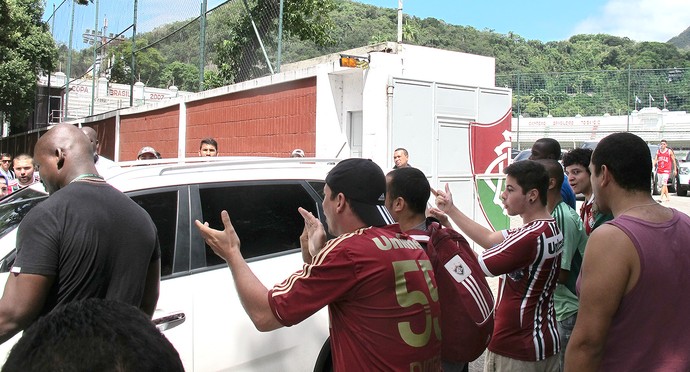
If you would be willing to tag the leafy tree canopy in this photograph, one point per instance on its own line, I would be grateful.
(26, 47)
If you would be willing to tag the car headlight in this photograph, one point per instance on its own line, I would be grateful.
(685, 170)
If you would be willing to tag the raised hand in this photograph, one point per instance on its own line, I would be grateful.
(444, 199)
(315, 232)
(442, 218)
(224, 243)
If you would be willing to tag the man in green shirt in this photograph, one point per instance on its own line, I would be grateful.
(574, 241)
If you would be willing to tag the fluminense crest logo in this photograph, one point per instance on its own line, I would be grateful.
(489, 153)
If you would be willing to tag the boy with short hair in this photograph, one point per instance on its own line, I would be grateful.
(576, 163)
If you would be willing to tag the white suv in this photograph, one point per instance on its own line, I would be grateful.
(198, 308)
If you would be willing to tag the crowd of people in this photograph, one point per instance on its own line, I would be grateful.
(16, 173)
(578, 290)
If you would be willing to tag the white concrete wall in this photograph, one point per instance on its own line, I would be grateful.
(449, 67)
(340, 90)
(650, 123)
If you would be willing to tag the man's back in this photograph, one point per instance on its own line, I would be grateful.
(650, 328)
(529, 258)
(574, 242)
(93, 239)
(382, 301)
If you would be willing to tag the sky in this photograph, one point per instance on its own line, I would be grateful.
(543, 20)
(553, 20)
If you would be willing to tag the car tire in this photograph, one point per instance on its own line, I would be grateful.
(656, 190)
(324, 362)
(681, 191)
(672, 187)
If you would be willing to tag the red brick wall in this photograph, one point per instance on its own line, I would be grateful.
(105, 131)
(267, 121)
(158, 129)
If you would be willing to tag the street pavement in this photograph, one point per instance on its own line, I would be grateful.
(681, 203)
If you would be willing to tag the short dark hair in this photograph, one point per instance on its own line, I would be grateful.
(24, 156)
(554, 170)
(403, 150)
(579, 156)
(209, 141)
(412, 185)
(529, 174)
(5, 154)
(627, 158)
(551, 147)
(93, 335)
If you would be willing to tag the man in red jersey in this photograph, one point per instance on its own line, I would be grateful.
(664, 161)
(379, 286)
(528, 260)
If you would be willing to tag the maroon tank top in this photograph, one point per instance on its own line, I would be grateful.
(651, 329)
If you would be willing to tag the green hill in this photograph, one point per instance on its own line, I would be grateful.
(682, 41)
(355, 24)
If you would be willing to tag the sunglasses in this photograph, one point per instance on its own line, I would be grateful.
(5, 161)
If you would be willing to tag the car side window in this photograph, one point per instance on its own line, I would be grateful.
(162, 207)
(265, 216)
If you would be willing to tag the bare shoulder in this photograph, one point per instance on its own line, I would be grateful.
(611, 257)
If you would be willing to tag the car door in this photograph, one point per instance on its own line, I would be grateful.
(169, 210)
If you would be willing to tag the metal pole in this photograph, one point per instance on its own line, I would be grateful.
(258, 37)
(134, 60)
(518, 108)
(202, 45)
(280, 37)
(69, 64)
(50, 72)
(627, 129)
(400, 17)
(96, 46)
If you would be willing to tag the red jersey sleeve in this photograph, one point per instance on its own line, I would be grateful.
(330, 275)
(515, 252)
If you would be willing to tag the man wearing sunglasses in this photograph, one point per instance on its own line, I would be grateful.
(5, 162)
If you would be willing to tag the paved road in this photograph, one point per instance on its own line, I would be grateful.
(681, 203)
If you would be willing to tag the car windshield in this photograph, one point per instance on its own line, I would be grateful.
(15, 206)
(523, 155)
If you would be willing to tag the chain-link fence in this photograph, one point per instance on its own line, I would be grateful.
(574, 107)
(596, 93)
(166, 47)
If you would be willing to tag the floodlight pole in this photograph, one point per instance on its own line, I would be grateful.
(95, 55)
(202, 44)
(69, 64)
(134, 60)
(280, 36)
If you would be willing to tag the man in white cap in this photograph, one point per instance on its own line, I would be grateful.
(297, 153)
(147, 153)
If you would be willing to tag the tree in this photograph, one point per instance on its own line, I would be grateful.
(239, 57)
(182, 75)
(26, 48)
(149, 63)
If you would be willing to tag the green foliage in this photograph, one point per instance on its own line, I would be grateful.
(212, 80)
(682, 41)
(316, 27)
(149, 63)
(239, 56)
(26, 48)
(182, 75)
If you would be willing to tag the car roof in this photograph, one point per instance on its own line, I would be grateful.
(139, 175)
